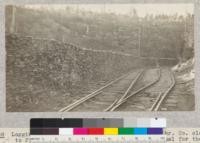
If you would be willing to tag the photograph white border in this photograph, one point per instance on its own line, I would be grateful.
(174, 118)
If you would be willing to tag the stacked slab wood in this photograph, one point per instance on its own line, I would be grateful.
(56, 65)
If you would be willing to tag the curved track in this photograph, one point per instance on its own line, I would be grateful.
(127, 92)
(156, 106)
(102, 98)
(137, 90)
(149, 97)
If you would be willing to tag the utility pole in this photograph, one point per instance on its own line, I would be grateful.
(12, 26)
(139, 41)
(139, 38)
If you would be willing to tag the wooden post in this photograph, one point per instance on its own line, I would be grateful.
(139, 41)
(12, 25)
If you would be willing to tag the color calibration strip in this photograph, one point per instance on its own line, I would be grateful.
(97, 126)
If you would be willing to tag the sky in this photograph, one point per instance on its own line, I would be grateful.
(142, 9)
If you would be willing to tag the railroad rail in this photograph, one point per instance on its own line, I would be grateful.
(125, 98)
(128, 93)
(99, 91)
(157, 104)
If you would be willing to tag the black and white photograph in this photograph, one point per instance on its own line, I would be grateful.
(100, 57)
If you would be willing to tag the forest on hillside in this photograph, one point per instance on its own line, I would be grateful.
(163, 36)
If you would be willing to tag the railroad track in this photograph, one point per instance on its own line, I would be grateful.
(161, 95)
(124, 99)
(157, 104)
(111, 93)
(120, 97)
